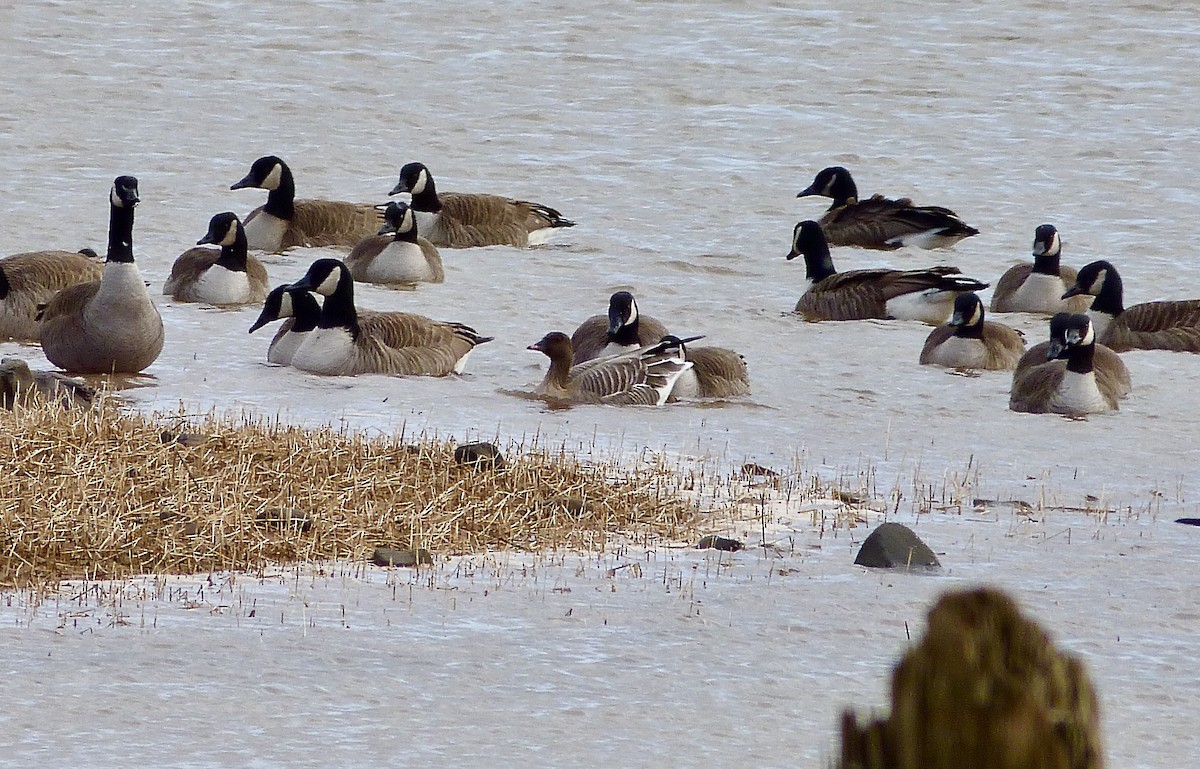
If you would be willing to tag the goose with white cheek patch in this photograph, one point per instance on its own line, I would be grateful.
(109, 325)
(925, 295)
(879, 222)
(222, 276)
(300, 313)
(1066, 381)
(28, 280)
(398, 254)
(1170, 325)
(1038, 286)
(969, 341)
(642, 377)
(348, 342)
(465, 220)
(284, 222)
(623, 329)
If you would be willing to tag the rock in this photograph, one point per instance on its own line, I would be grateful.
(895, 546)
(386, 556)
(481, 456)
(1188, 521)
(285, 519)
(713, 542)
(184, 439)
(985, 687)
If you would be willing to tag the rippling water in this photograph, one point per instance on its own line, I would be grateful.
(677, 135)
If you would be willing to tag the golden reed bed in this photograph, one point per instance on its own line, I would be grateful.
(105, 495)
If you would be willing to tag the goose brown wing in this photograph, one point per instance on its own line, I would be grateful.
(720, 372)
(1005, 346)
(188, 265)
(590, 338)
(1008, 284)
(401, 329)
(363, 252)
(935, 338)
(427, 360)
(49, 270)
(880, 222)
(1157, 326)
(482, 220)
(59, 312)
(331, 223)
(1033, 387)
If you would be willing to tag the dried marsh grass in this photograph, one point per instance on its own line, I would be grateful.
(101, 495)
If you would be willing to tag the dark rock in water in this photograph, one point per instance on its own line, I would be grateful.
(895, 546)
(386, 556)
(285, 519)
(713, 542)
(1188, 521)
(481, 456)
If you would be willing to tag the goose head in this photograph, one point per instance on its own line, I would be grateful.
(124, 192)
(398, 219)
(266, 173)
(833, 182)
(222, 230)
(1069, 332)
(1046, 241)
(414, 178)
(324, 277)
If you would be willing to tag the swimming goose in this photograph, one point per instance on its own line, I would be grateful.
(347, 342)
(302, 313)
(222, 276)
(398, 254)
(21, 387)
(463, 220)
(29, 280)
(879, 222)
(1067, 381)
(1171, 325)
(924, 295)
(642, 377)
(284, 222)
(969, 341)
(1038, 286)
(624, 328)
(716, 372)
(109, 325)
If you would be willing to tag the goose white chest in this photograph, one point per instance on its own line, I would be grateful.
(400, 262)
(960, 352)
(1039, 293)
(218, 285)
(1079, 394)
(265, 231)
(326, 351)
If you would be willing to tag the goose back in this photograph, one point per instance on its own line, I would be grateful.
(19, 386)
(716, 372)
(29, 280)
(643, 377)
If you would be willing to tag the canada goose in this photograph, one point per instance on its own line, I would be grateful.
(879, 222)
(969, 341)
(109, 325)
(924, 295)
(1038, 286)
(346, 342)
(1111, 372)
(624, 328)
(716, 372)
(284, 222)
(224, 276)
(21, 387)
(1067, 381)
(302, 312)
(1172, 325)
(463, 220)
(398, 254)
(642, 377)
(29, 280)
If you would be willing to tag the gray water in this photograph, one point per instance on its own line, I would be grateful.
(677, 135)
